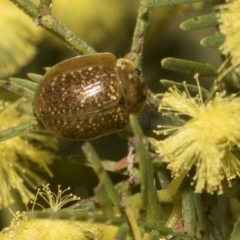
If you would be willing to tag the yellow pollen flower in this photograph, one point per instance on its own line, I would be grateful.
(206, 139)
(18, 154)
(23, 228)
(229, 26)
(18, 43)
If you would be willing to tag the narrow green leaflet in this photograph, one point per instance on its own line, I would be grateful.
(236, 231)
(188, 67)
(214, 41)
(200, 22)
(160, 3)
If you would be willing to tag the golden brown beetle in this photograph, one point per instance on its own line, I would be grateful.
(89, 96)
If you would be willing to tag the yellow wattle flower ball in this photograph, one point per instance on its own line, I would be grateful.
(18, 40)
(228, 17)
(18, 155)
(23, 228)
(42, 229)
(206, 139)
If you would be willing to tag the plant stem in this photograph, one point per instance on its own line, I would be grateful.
(188, 209)
(148, 190)
(42, 16)
(138, 36)
(54, 26)
(98, 168)
(153, 101)
(167, 194)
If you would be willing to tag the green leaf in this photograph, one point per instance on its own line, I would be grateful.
(18, 130)
(189, 212)
(15, 86)
(203, 224)
(160, 95)
(122, 231)
(160, 3)
(97, 166)
(214, 41)
(35, 77)
(148, 189)
(200, 22)
(24, 83)
(107, 164)
(154, 235)
(188, 67)
(236, 231)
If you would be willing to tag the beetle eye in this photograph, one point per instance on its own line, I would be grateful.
(138, 71)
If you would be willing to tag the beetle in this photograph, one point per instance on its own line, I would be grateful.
(89, 96)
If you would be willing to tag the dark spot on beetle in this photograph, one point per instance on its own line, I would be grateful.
(121, 101)
(138, 71)
(196, 18)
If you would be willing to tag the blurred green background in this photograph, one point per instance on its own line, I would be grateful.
(106, 25)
